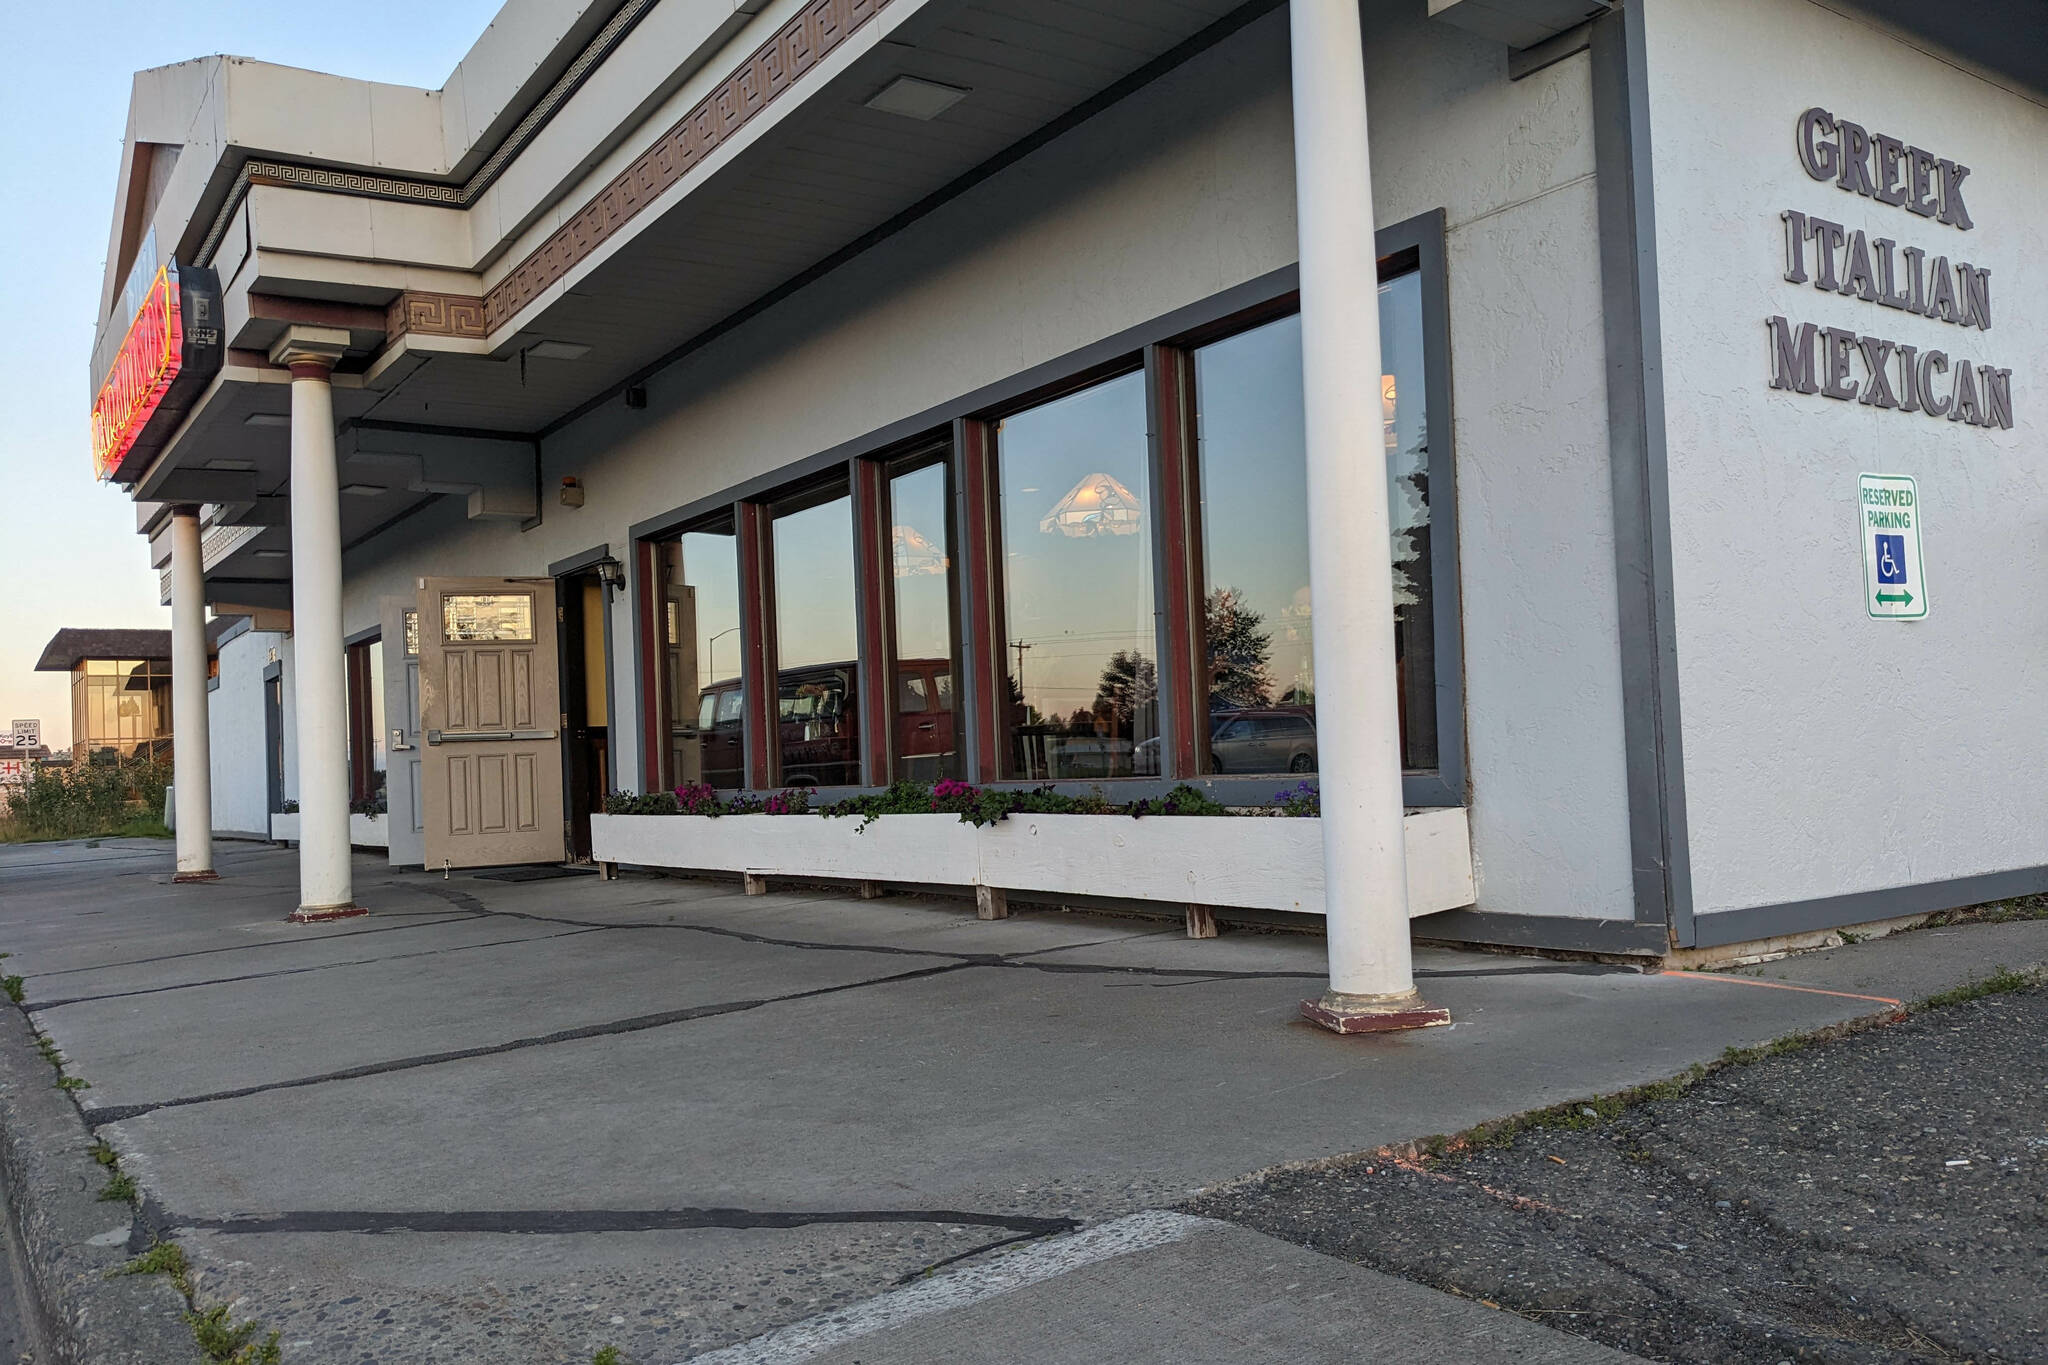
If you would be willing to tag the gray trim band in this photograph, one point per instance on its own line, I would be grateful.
(1554, 932)
(1637, 456)
(1861, 907)
(363, 637)
(583, 559)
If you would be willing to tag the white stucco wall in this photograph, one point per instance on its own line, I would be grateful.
(1172, 196)
(1826, 753)
(234, 712)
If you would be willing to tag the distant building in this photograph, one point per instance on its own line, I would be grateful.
(120, 688)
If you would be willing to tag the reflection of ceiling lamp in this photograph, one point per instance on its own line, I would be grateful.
(913, 554)
(1387, 407)
(1096, 506)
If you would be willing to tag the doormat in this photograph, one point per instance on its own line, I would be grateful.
(534, 874)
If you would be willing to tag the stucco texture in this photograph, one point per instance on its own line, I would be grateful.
(1824, 752)
(1170, 197)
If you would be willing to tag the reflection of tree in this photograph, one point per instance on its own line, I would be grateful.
(1240, 654)
(1020, 713)
(1129, 686)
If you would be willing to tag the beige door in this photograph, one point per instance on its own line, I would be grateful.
(491, 766)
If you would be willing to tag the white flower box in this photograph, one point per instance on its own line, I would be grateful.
(1273, 863)
(364, 831)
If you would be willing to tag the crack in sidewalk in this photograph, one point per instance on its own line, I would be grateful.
(557, 1222)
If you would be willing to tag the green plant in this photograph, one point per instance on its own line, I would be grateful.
(228, 1342)
(119, 1189)
(82, 800)
(162, 1258)
(73, 1083)
(2000, 982)
(104, 1154)
(608, 1355)
(12, 985)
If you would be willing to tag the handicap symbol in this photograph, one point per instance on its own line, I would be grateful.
(1891, 559)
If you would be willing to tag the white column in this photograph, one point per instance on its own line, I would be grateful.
(319, 665)
(1372, 985)
(191, 750)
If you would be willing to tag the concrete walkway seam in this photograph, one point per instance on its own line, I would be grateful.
(957, 1289)
(69, 1239)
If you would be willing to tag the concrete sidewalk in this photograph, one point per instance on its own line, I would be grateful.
(517, 1121)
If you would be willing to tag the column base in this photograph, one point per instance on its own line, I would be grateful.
(1341, 1013)
(207, 876)
(319, 914)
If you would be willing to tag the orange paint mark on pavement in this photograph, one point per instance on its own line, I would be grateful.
(1782, 986)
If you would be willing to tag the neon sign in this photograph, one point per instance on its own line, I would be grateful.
(175, 334)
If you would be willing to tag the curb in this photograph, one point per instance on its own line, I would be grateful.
(52, 1184)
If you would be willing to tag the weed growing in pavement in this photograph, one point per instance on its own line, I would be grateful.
(12, 985)
(222, 1340)
(73, 1083)
(104, 1154)
(2002, 981)
(1991, 912)
(227, 1342)
(47, 1045)
(120, 1189)
(164, 1258)
(608, 1356)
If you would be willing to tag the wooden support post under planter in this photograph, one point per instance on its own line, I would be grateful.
(755, 883)
(991, 903)
(1201, 921)
(872, 891)
(607, 872)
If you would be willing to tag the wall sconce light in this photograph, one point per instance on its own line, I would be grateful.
(572, 491)
(611, 574)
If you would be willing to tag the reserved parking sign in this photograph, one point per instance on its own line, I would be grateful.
(1894, 581)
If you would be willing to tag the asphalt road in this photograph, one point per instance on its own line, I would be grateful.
(1877, 1198)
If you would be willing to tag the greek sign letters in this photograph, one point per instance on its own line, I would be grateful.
(1847, 365)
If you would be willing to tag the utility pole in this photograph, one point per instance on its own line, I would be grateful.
(1020, 646)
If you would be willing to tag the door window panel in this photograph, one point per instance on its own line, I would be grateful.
(1258, 629)
(468, 618)
(818, 728)
(921, 579)
(1081, 680)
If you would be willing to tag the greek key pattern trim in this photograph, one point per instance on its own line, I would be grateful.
(440, 315)
(758, 82)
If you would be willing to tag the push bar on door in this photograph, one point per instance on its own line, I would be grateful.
(489, 736)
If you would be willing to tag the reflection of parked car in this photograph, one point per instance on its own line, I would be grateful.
(1282, 740)
(818, 722)
(1262, 742)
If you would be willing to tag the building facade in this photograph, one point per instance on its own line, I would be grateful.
(1513, 410)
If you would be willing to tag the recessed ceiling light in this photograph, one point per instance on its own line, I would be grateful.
(558, 350)
(915, 98)
(267, 419)
(231, 466)
(363, 490)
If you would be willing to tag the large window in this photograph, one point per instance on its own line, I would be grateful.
(817, 672)
(926, 739)
(1101, 579)
(1080, 642)
(1257, 631)
(121, 708)
(702, 701)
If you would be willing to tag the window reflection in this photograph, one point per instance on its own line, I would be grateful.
(120, 708)
(818, 732)
(700, 623)
(1081, 681)
(1258, 629)
(921, 576)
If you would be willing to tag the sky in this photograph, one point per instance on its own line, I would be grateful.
(69, 555)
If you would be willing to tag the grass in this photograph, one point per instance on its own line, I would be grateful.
(609, 1355)
(1592, 1111)
(13, 986)
(134, 827)
(119, 1189)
